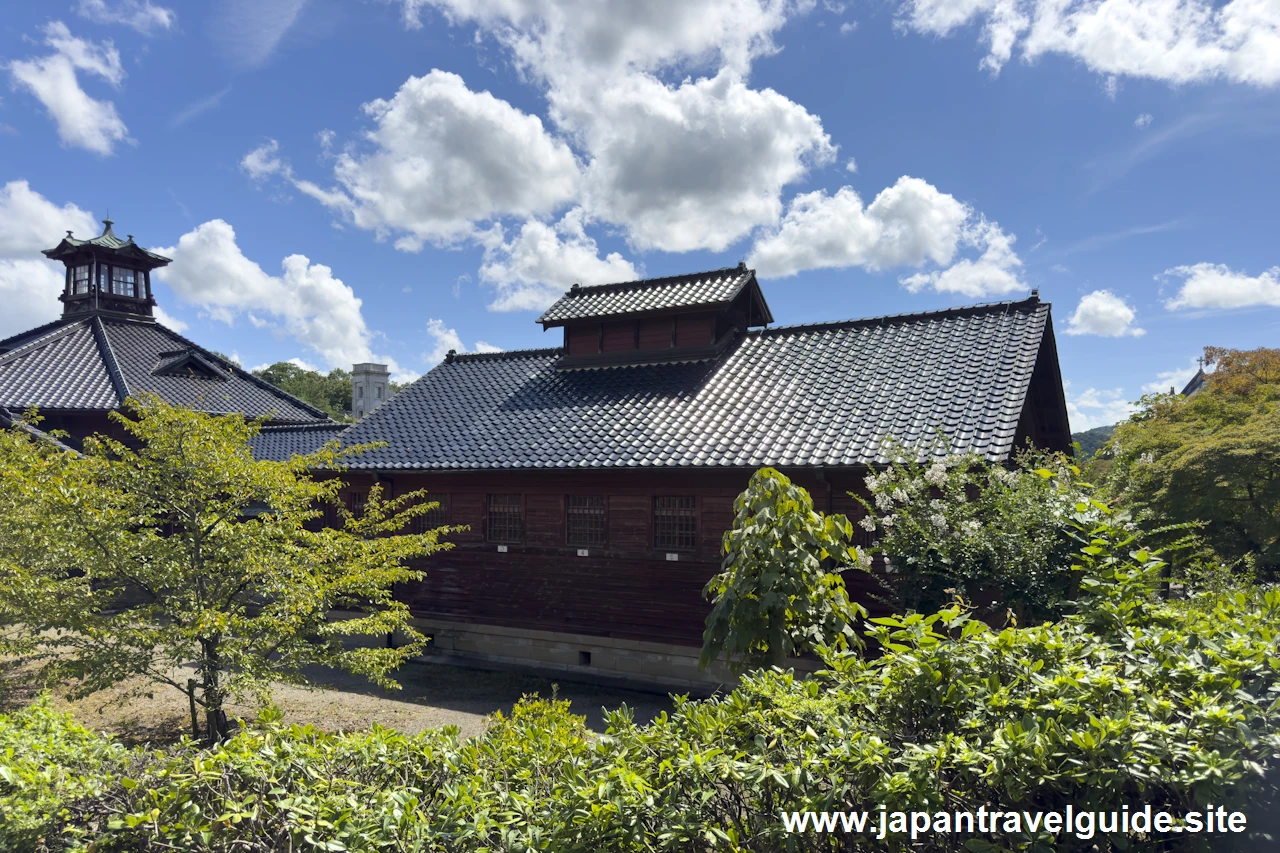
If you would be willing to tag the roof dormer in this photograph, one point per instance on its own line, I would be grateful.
(658, 320)
(106, 274)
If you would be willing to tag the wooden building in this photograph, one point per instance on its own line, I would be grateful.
(108, 346)
(597, 477)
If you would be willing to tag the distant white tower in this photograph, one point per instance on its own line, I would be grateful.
(370, 386)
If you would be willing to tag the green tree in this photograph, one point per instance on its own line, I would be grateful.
(779, 592)
(180, 547)
(330, 392)
(1212, 457)
(960, 524)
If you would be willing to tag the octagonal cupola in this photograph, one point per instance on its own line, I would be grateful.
(106, 274)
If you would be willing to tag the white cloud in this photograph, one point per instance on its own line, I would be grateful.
(264, 161)
(445, 338)
(1174, 41)
(249, 31)
(30, 284)
(1218, 286)
(584, 39)
(1103, 313)
(29, 292)
(848, 27)
(306, 301)
(1142, 121)
(445, 157)
(164, 318)
(141, 16)
(1095, 408)
(30, 223)
(908, 224)
(851, 166)
(693, 166)
(82, 121)
(677, 166)
(1177, 379)
(542, 261)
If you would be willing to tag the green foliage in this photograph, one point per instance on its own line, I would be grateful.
(961, 525)
(181, 547)
(1131, 701)
(329, 392)
(1212, 457)
(780, 592)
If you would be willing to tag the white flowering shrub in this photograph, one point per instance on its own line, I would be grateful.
(958, 525)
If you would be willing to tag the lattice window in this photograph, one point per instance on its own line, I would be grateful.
(675, 523)
(433, 518)
(80, 279)
(124, 281)
(357, 503)
(584, 520)
(506, 523)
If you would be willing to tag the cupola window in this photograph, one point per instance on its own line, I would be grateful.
(80, 279)
(124, 281)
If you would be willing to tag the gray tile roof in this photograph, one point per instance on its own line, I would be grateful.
(827, 394)
(280, 443)
(95, 362)
(652, 295)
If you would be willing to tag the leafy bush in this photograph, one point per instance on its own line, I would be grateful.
(1132, 700)
(986, 531)
(780, 592)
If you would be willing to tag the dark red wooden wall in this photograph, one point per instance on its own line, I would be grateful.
(627, 589)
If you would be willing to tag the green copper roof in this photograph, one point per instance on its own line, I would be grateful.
(106, 240)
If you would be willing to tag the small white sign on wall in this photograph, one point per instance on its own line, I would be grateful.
(583, 552)
(673, 557)
(502, 549)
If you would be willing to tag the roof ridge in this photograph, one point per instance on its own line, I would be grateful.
(640, 282)
(62, 329)
(498, 356)
(118, 383)
(244, 374)
(301, 427)
(978, 308)
(43, 331)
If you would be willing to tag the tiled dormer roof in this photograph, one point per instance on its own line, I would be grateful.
(828, 394)
(93, 362)
(692, 291)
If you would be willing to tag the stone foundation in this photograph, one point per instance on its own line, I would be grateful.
(639, 665)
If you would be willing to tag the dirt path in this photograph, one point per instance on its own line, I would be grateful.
(433, 695)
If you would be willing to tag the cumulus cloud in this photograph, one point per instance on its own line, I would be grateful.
(1103, 313)
(1142, 121)
(908, 224)
(1218, 286)
(164, 318)
(305, 301)
(30, 284)
(82, 121)
(676, 166)
(561, 39)
(445, 338)
(541, 262)
(141, 16)
(1173, 41)
(444, 157)
(693, 166)
(1095, 408)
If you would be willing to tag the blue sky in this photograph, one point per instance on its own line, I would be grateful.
(340, 180)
